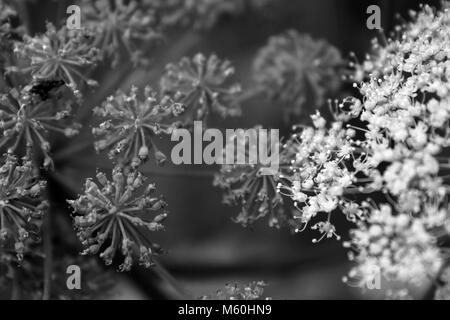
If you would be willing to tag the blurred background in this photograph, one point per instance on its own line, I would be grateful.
(206, 249)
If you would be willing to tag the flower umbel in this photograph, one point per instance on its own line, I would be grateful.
(59, 54)
(202, 85)
(26, 119)
(121, 27)
(21, 205)
(114, 215)
(297, 70)
(132, 124)
(398, 245)
(318, 175)
(247, 185)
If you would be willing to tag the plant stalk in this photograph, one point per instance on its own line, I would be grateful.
(48, 261)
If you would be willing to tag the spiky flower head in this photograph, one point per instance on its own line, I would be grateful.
(116, 215)
(203, 86)
(26, 120)
(252, 291)
(297, 70)
(121, 28)
(132, 124)
(21, 204)
(250, 185)
(59, 54)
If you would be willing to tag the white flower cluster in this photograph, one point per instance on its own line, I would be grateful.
(399, 246)
(390, 144)
(318, 173)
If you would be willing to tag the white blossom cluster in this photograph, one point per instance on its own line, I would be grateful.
(387, 146)
(398, 245)
(318, 175)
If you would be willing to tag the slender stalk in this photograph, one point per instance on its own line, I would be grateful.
(48, 261)
(71, 149)
(169, 279)
(15, 287)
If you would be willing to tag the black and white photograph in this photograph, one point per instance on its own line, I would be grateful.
(195, 150)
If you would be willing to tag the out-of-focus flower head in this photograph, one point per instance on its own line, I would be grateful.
(203, 86)
(58, 54)
(297, 70)
(246, 184)
(21, 204)
(201, 14)
(122, 28)
(132, 124)
(443, 290)
(95, 283)
(7, 27)
(116, 215)
(21, 269)
(26, 119)
(252, 291)
(398, 246)
(10, 31)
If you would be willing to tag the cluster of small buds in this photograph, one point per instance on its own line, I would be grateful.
(58, 54)
(293, 66)
(21, 204)
(251, 291)
(246, 185)
(202, 85)
(399, 246)
(25, 120)
(115, 215)
(201, 14)
(132, 124)
(120, 28)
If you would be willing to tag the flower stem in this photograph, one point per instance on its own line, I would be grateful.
(179, 291)
(15, 287)
(48, 261)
